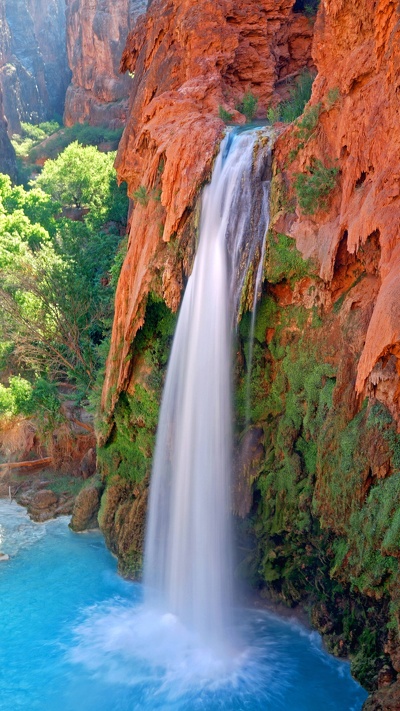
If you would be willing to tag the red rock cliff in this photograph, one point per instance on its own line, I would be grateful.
(356, 50)
(34, 72)
(188, 58)
(96, 35)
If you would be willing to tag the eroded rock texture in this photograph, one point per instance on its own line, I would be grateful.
(188, 59)
(357, 87)
(34, 72)
(96, 36)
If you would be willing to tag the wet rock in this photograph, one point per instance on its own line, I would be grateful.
(386, 699)
(250, 455)
(88, 464)
(42, 505)
(122, 519)
(86, 508)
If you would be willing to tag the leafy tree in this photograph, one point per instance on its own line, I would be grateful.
(80, 177)
(56, 284)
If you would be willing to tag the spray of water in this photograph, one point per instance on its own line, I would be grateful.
(188, 556)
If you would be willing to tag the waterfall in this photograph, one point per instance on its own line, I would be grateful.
(188, 555)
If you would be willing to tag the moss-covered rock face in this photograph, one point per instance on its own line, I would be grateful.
(324, 502)
(129, 448)
(125, 460)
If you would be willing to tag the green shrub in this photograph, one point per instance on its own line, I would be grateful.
(313, 188)
(141, 195)
(311, 8)
(274, 114)
(248, 106)
(224, 114)
(284, 261)
(58, 138)
(299, 96)
(333, 97)
(17, 398)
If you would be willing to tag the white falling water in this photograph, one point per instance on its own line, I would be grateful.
(188, 556)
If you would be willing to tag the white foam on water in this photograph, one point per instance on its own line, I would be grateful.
(137, 646)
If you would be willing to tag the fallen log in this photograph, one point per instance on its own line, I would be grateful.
(32, 463)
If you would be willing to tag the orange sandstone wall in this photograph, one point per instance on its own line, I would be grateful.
(356, 51)
(188, 57)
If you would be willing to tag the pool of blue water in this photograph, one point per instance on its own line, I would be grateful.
(74, 636)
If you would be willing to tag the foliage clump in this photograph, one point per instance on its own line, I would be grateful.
(56, 292)
(49, 139)
(283, 260)
(248, 106)
(300, 95)
(314, 187)
(225, 115)
(129, 450)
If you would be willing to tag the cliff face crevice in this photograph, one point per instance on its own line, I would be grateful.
(96, 36)
(34, 72)
(187, 60)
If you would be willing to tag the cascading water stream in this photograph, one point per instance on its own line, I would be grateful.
(188, 556)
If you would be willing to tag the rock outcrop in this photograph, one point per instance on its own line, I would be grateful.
(86, 509)
(356, 95)
(34, 72)
(96, 36)
(188, 58)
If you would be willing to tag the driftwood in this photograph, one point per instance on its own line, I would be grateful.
(33, 463)
(83, 425)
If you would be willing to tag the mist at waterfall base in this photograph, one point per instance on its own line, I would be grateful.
(70, 627)
(178, 643)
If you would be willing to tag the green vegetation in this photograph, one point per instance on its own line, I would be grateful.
(327, 524)
(129, 450)
(57, 138)
(274, 114)
(248, 106)
(31, 135)
(291, 109)
(224, 114)
(283, 260)
(314, 187)
(141, 196)
(333, 97)
(57, 279)
(309, 7)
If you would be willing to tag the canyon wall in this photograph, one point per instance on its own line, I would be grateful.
(317, 485)
(187, 62)
(96, 36)
(34, 72)
(7, 153)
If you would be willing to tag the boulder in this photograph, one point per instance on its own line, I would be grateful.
(86, 507)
